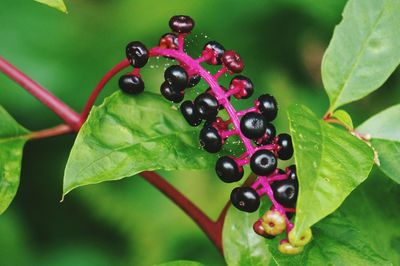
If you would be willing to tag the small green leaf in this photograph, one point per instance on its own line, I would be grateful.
(344, 117)
(388, 154)
(331, 163)
(57, 4)
(181, 263)
(363, 52)
(127, 135)
(12, 140)
(384, 125)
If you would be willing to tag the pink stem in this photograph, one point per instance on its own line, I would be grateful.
(220, 72)
(228, 133)
(243, 112)
(56, 105)
(181, 41)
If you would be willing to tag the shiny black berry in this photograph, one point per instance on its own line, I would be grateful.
(285, 192)
(292, 175)
(216, 49)
(169, 41)
(207, 106)
(190, 114)
(253, 125)
(286, 147)
(270, 133)
(210, 139)
(193, 80)
(263, 162)
(246, 85)
(228, 170)
(245, 199)
(137, 54)
(177, 77)
(232, 61)
(268, 106)
(131, 84)
(181, 24)
(171, 94)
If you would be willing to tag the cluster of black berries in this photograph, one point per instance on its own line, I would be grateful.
(255, 124)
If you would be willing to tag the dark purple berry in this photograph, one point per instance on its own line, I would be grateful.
(190, 114)
(131, 84)
(270, 133)
(171, 94)
(210, 139)
(245, 199)
(176, 76)
(285, 151)
(263, 162)
(268, 106)
(228, 169)
(292, 175)
(285, 192)
(169, 41)
(194, 80)
(181, 24)
(137, 54)
(253, 125)
(216, 49)
(245, 84)
(207, 106)
(233, 62)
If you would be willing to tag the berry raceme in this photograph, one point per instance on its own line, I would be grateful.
(253, 126)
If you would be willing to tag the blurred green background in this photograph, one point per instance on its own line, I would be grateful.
(128, 222)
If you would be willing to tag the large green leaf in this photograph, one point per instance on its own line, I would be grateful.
(363, 52)
(57, 4)
(127, 135)
(181, 263)
(337, 241)
(384, 128)
(12, 140)
(331, 163)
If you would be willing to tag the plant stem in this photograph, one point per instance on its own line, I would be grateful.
(51, 132)
(56, 105)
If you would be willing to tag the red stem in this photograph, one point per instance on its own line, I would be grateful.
(51, 132)
(56, 105)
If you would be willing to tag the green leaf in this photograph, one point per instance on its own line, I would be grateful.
(241, 245)
(127, 135)
(337, 241)
(344, 117)
(363, 52)
(388, 154)
(331, 163)
(181, 263)
(57, 4)
(384, 125)
(12, 140)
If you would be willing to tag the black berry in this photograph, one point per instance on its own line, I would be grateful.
(232, 61)
(181, 24)
(292, 175)
(190, 114)
(171, 94)
(131, 84)
(176, 76)
(253, 125)
(269, 135)
(216, 49)
(263, 162)
(193, 80)
(207, 106)
(228, 170)
(268, 106)
(285, 193)
(210, 139)
(137, 54)
(245, 199)
(286, 147)
(169, 41)
(246, 85)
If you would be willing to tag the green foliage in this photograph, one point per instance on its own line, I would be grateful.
(344, 117)
(181, 263)
(331, 163)
(363, 51)
(12, 140)
(57, 4)
(127, 135)
(384, 128)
